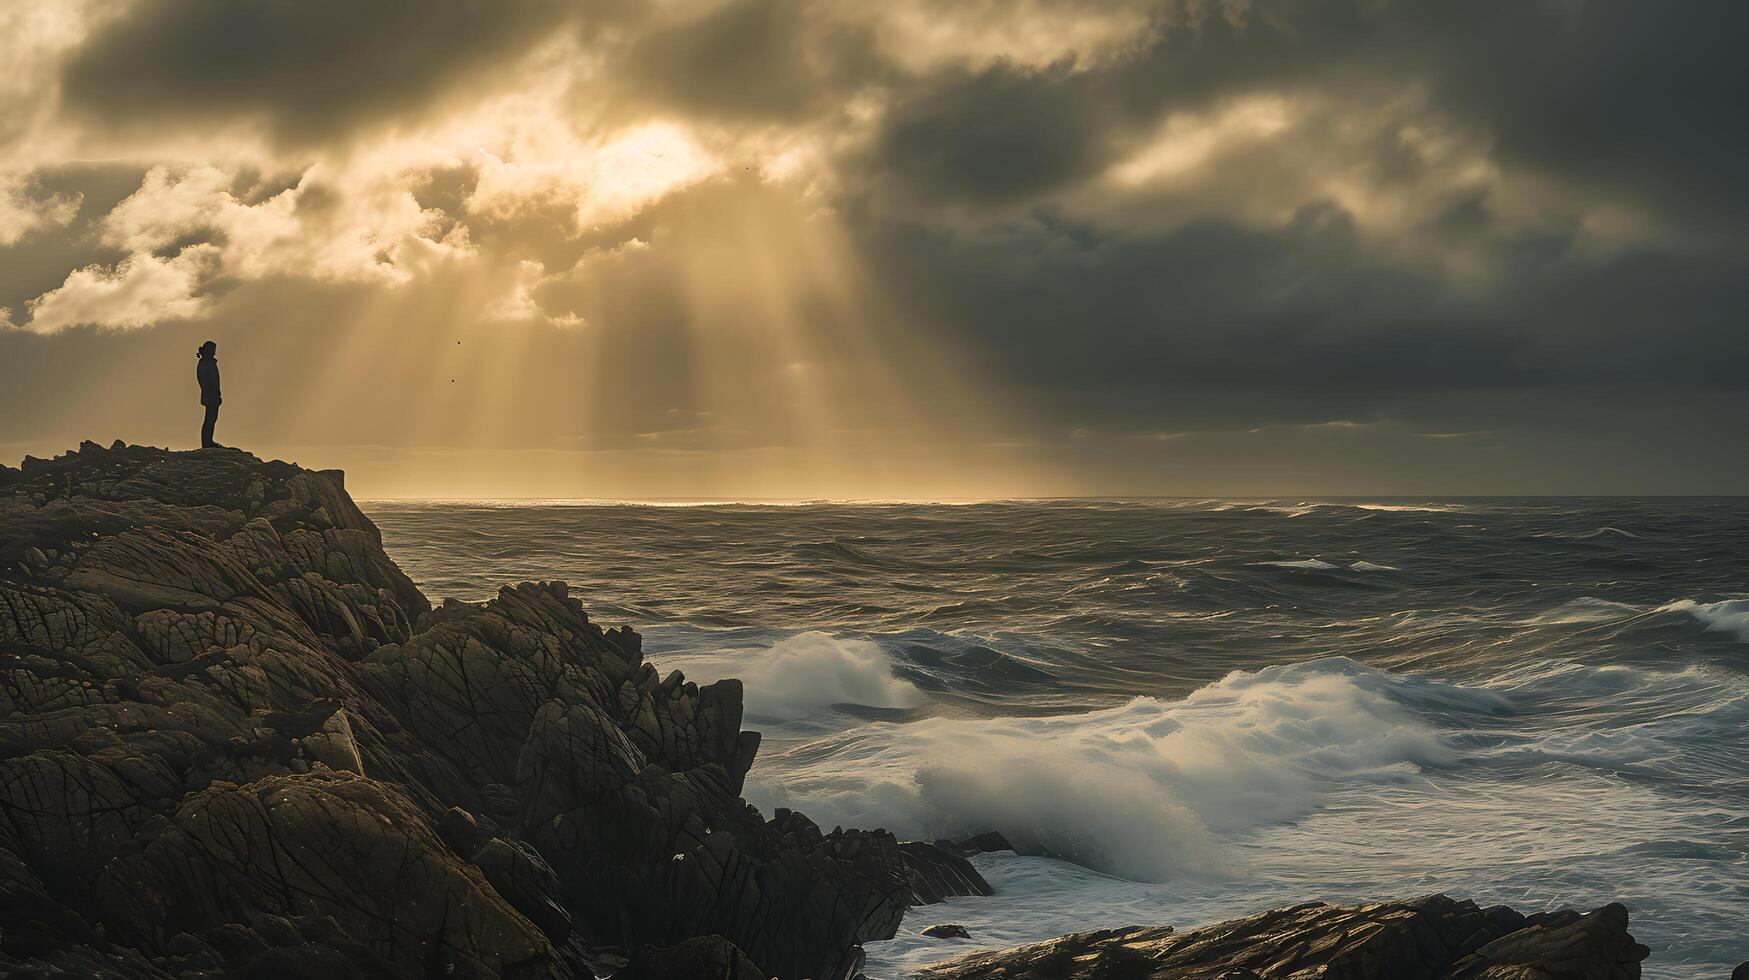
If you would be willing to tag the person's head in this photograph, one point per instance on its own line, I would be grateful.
(208, 349)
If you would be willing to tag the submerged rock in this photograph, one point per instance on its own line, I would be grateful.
(1432, 938)
(235, 739)
(947, 930)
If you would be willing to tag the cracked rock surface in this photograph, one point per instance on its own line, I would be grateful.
(1431, 938)
(236, 740)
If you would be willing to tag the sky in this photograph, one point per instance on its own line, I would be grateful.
(917, 249)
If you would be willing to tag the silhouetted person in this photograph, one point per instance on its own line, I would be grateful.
(206, 371)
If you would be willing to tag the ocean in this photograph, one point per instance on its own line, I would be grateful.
(1205, 708)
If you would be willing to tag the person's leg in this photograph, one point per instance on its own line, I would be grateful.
(206, 428)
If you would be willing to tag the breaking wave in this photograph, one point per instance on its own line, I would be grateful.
(1727, 616)
(808, 673)
(1135, 790)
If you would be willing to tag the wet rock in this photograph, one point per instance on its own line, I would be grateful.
(936, 873)
(947, 930)
(1424, 939)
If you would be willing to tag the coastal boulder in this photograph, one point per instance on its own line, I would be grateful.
(947, 930)
(1554, 945)
(1432, 938)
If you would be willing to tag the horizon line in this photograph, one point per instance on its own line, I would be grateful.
(1070, 498)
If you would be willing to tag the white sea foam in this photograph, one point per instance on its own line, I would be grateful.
(1414, 508)
(1282, 508)
(1727, 616)
(1540, 819)
(1131, 790)
(811, 671)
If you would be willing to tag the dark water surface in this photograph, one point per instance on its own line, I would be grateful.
(1212, 706)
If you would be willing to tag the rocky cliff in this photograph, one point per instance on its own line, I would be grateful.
(236, 741)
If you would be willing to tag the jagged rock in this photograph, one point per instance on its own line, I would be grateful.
(703, 958)
(947, 930)
(1432, 938)
(321, 843)
(234, 732)
(1552, 945)
(982, 843)
(937, 873)
(523, 877)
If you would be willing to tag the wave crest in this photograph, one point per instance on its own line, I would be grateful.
(1725, 616)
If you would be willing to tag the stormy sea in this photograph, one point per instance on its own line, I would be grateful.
(1180, 711)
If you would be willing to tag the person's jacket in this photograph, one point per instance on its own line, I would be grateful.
(207, 373)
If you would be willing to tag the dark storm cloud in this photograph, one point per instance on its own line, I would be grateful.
(1610, 104)
(1640, 98)
(313, 68)
(748, 60)
(1006, 131)
(995, 135)
(1064, 308)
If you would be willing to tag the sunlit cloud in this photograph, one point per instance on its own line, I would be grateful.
(24, 209)
(1188, 142)
(139, 291)
(605, 182)
(923, 35)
